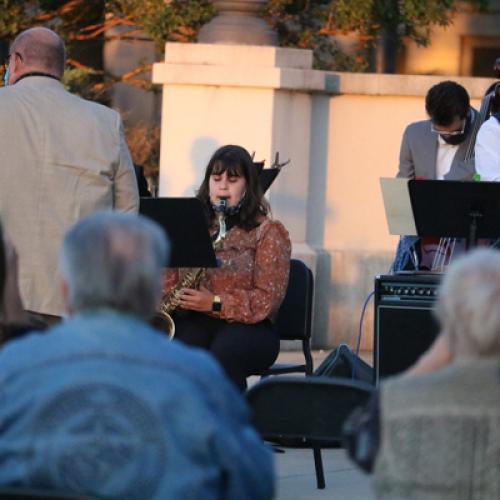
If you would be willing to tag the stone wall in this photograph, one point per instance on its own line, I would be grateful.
(342, 132)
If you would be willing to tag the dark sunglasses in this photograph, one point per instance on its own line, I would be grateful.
(452, 133)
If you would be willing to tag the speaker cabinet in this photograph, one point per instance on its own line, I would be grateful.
(404, 326)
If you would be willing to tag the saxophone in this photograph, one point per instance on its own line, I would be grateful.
(191, 279)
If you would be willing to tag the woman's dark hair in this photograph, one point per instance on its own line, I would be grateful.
(236, 161)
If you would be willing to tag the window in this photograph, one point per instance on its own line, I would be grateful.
(478, 55)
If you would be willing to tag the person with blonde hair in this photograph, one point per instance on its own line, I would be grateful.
(435, 431)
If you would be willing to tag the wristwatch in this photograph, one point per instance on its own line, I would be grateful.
(216, 304)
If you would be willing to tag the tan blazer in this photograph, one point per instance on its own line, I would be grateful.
(61, 157)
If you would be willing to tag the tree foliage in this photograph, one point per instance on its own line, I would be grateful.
(300, 23)
(410, 18)
(305, 24)
(86, 24)
(314, 23)
(12, 18)
(163, 20)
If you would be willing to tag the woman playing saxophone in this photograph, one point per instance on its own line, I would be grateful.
(231, 314)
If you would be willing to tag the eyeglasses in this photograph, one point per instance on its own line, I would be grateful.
(7, 59)
(447, 133)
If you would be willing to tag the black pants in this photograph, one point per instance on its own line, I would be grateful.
(241, 349)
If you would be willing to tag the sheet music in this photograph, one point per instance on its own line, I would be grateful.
(398, 211)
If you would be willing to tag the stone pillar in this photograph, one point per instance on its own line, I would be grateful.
(137, 105)
(238, 23)
(257, 97)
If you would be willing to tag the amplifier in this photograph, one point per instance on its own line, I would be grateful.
(404, 326)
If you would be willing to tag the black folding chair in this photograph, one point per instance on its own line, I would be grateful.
(306, 411)
(294, 318)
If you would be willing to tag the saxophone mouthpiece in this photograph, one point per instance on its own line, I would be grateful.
(221, 206)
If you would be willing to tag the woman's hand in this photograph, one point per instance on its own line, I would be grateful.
(196, 300)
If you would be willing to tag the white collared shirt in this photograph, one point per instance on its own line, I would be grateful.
(487, 150)
(445, 154)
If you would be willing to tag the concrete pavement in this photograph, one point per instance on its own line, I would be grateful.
(296, 477)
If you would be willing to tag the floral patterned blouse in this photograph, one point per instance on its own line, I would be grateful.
(252, 276)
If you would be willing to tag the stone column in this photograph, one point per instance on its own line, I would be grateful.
(120, 56)
(238, 23)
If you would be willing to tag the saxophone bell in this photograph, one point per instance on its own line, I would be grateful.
(164, 322)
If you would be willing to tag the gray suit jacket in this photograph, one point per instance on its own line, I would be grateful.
(418, 154)
(61, 158)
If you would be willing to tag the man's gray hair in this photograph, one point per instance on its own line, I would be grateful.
(114, 260)
(468, 305)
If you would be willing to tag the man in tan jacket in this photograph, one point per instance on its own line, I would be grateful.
(61, 158)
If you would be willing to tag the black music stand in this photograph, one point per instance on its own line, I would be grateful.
(184, 221)
(266, 175)
(456, 209)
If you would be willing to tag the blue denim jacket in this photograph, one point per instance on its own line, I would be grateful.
(104, 405)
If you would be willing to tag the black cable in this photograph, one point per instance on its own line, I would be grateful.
(360, 332)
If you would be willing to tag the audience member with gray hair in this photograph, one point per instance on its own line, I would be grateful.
(115, 261)
(440, 354)
(468, 307)
(104, 405)
(436, 432)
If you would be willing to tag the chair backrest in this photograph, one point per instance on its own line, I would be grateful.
(294, 317)
(312, 409)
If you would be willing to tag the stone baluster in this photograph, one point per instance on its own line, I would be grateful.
(238, 23)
